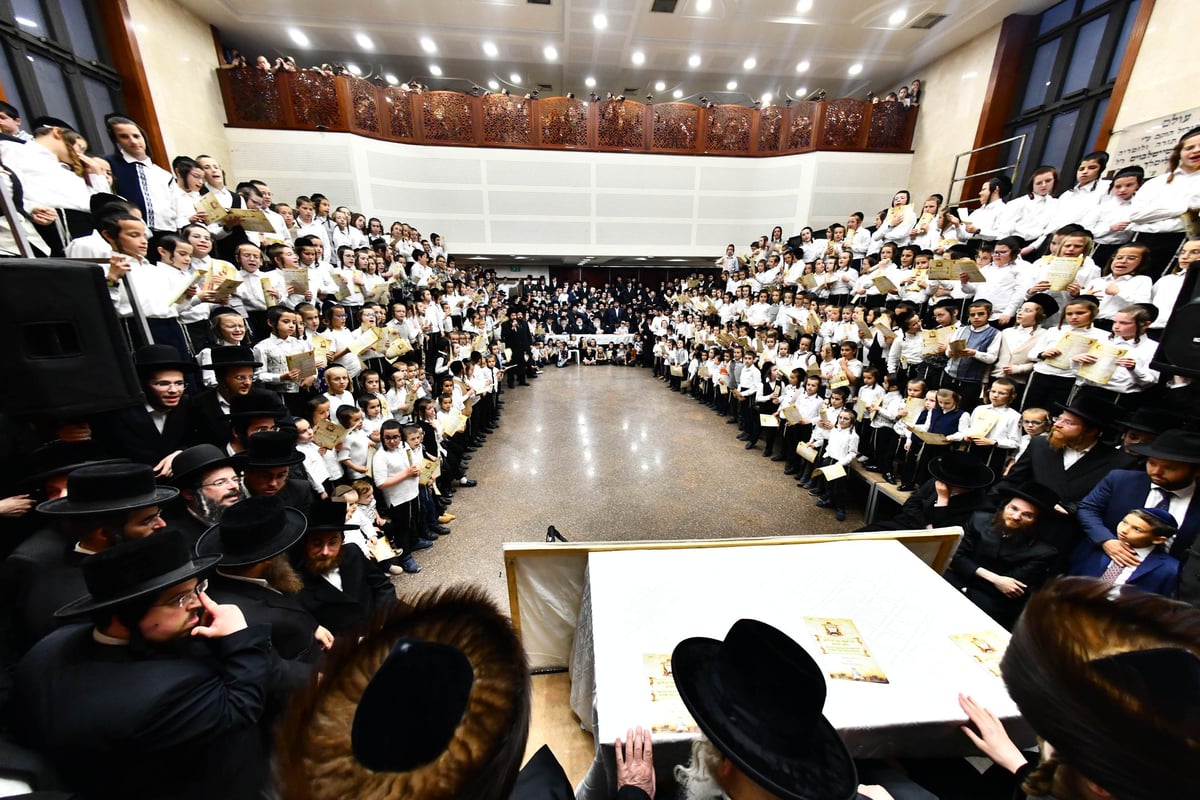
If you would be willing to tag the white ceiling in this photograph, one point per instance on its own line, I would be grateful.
(831, 36)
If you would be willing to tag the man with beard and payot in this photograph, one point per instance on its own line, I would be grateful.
(161, 695)
(208, 484)
(267, 464)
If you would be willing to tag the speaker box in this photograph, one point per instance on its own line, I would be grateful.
(1179, 350)
(65, 354)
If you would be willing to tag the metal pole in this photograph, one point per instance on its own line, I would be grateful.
(13, 215)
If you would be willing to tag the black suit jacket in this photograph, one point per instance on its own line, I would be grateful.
(1043, 464)
(365, 592)
(211, 423)
(920, 510)
(130, 433)
(39, 578)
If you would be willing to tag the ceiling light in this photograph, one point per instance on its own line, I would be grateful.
(731, 85)
(428, 45)
(703, 6)
(550, 52)
(803, 66)
(392, 79)
(638, 57)
(589, 82)
(493, 84)
(364, 41)
(750, 63)
(298, 37)
(855, 69)
(766, 99)
(600, 22)
(353, 69)
(660, 86)
(490, 49)
(694, 60)
(804, 6)
(25, 22)
(678, 93)
(802, 92)
(514, 78)
(435, 70)
(898, 16)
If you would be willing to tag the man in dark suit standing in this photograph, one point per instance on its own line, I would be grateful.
(516, 336)
(1167, 483)
(342, 588)
(266, 466)
(208, 484)
(234, 371)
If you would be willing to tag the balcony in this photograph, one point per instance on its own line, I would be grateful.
(307, 101)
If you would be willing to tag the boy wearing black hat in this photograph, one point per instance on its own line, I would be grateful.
(233, 368)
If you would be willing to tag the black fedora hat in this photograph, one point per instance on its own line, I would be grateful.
(269, 449)
(256, 403)
(251, 531)
(758, 697)
(1172, 445)
(193, 462)
(135, 569)
(156, 357)
(233, 356)
(63, 458)
(1043, 497)
(1151, 420)
(327, 516)
(101, 488)
(961, 470)
(1092, 409)
(1046, 301)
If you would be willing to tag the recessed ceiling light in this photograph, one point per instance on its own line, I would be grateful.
(490, 49)
(855, 69)
(25, 22)
(435, 70)
(550, 52)
(392, 79)
(638, 57)
(694, 60)
(298, 37)
(804, 6)
(494, 85)
(802, 92)
(766, 99)
(703, 6)
(428, 45)
(898, 16)
(803, 66)
(589, 82)
(750, 63)
(354, 70)
(514, 78)
(600, 22)
(678, 93)
(364, 41)
(731, 85)
(660, 86)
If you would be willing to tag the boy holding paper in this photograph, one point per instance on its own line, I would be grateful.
(994, 430)
(971, 353)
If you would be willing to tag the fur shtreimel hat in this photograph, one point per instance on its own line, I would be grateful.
(1111, 679)
(432, 703)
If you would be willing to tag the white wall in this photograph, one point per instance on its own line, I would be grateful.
(497, 201)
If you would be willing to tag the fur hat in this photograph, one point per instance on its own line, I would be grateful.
(482, 715)
(1111, 678)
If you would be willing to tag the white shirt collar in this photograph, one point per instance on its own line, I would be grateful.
(256, 581)
(131, 160)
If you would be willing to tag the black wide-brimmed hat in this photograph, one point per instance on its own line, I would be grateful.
(63, 458)
(269, 449)
(255, 404)
(327, 516)
(135, 569)
(1043, 497)
(1151, 420)
(101, 488)
(232, 356)
(251, 531)
(157, 357)
(1092, 409)
(758, 697)
(193, 462)
(1172, 445)
(961, 470)
(1046, 301)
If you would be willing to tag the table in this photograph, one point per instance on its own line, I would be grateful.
(640, 602)
(601, 339)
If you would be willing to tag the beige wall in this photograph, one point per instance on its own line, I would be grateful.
(954, 90)
(1164, 78)
(179, 60)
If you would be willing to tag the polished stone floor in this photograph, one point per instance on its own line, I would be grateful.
(610, 454)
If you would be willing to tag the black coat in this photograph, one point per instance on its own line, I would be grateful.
(211, 423)
(122, 722)
(292, 627)
(1043, 464)
(130, 433)
(40, 577)
(365, 592)
(920, 509)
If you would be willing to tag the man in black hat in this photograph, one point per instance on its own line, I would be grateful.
(252, 540)
(208, 484)
(517, 338)
(257, 411)
(1003, 557)
(266, 466)
(233, 368)
(1144, 426)
(956, 489)
(342, 589)
(162, 695)
(156, 431)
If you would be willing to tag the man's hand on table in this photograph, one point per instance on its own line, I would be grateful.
(635, 761)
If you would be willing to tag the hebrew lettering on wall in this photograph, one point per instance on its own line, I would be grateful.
(1149, 143)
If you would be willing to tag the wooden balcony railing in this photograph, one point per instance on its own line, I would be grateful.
(312, 101)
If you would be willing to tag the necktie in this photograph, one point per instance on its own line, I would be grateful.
(145, 187)
(1164, 504)
(1109, 575)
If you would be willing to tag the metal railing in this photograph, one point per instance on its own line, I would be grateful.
(955, 179)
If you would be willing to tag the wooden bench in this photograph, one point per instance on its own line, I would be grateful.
(876, 486)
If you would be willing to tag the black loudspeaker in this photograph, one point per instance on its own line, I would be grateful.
(64, 353)
(1179, 351)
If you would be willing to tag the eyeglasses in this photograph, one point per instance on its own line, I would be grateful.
(168, 384)
(1035, 422)
(182, 600)
(223, 482)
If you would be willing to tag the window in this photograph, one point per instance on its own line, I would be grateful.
(53, 61)
(1070, 70)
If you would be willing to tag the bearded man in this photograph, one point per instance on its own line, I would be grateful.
(208, 484)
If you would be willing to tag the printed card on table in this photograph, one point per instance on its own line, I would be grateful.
(669, 714)
(842, 651)
(986, 648)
